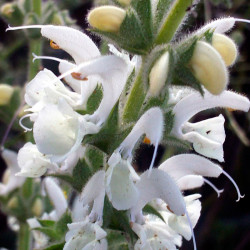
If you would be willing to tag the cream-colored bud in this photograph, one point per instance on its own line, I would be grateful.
(107, 18)
(226, 47)
(7, 9)
(209, 68)
(124, 2)
(158, 74)
(37, 207)
(6, 92)
(13, 203)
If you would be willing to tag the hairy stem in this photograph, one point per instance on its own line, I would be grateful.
(172, 21)
(24, 238)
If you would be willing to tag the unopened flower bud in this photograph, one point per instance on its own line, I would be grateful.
(37, 207)
(13, 203)
(158, 74)
(107, 18)
(7, 9)
(124, 2)
(6, 176)
(226, 47)
(57, 20)
(209, 68)
(6, 92)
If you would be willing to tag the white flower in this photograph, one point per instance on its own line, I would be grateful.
(85, 235)
(185, 165)
(203, 139)
(32, 162)
(118, 181)
(155, 233)
(10, 181)
(47, 88)
(59, 202)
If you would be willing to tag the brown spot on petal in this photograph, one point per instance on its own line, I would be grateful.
(53, 45)
(77, 76)
(170, 209)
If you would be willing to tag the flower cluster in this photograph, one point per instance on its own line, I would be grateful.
(64, 129)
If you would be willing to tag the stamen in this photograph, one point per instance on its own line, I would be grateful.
(234, 183)
(218, 191)
(77, 76)
(191, 227)
(50, 58)
(146, 140)
(153, 158)
(231, 110)
(242, 20)
(24, 127)
(53, 45)
(24, 27)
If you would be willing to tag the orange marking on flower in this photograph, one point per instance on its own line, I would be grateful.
(53, 45)
(146, 140)
(77, 76)
(231, 110)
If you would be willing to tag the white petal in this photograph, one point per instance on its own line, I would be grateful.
(205, 146)
(113, 72)
(74, 42)
(221, 25)
(55, 131)
(158, 185)
(32, 162)
(120, 187)
(12, 181)
(150, 123)
(94, 190)
(56, 196)
(212, 128)
(194, 103)
(190, 182)
(190, 164)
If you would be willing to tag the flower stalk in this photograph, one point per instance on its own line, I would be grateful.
(172, 21)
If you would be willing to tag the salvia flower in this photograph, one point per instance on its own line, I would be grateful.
(203, 139)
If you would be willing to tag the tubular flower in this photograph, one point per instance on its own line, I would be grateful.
(188, 165)
(9, 180)
(202, 135)
(85, 235)
(32, 162)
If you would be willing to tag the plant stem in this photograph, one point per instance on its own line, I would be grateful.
(24, 238)
(35, 47)
(135, 99)
(37, 7)
(173, 20)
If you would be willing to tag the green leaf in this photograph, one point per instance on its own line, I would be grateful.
(186, 51)
(176, 142)
(94, 100)
(47, 223)
(110, 136)
(94, 157)
(61, 225)
(51, 233)
(161, 9)
(151, 210)
(144, 11)
(117, 240)
(58, 246)
(183, 76)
